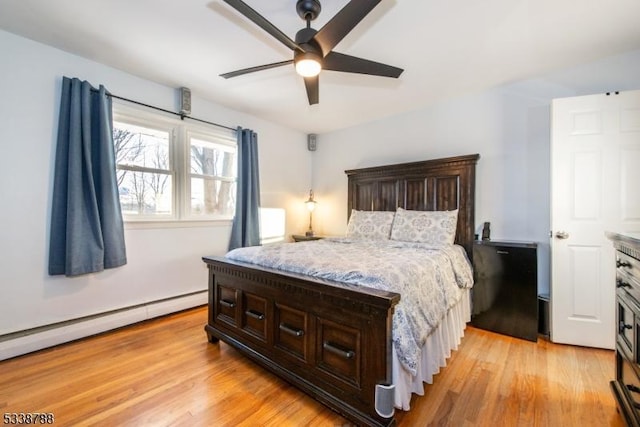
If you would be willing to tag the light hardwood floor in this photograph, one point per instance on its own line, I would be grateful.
(164, 373)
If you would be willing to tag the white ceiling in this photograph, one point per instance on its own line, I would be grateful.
(447, 48)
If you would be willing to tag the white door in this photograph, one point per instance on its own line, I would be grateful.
(595, 187)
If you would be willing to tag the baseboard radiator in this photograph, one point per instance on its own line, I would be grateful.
(27, 341)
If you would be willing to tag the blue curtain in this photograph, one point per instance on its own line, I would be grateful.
(87, 232)
(246, 223)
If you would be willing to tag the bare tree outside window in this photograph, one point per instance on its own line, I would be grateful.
(142, 156)
(213, 177)
(125, 147)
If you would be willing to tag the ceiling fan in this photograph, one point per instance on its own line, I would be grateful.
(313, 49)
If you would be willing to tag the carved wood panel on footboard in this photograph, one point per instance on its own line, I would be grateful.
(329, 341)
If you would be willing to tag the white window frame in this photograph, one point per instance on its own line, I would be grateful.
(179, 161)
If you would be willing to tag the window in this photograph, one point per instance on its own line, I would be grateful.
(213, 176)
(170, 169)
(144, 169)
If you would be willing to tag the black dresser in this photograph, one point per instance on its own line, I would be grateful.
(505, 292)
(626, 386)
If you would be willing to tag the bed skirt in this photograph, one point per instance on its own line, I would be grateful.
(437, 349)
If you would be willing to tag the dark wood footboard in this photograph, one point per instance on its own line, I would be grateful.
(330, 341)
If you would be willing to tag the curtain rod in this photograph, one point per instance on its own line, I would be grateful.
(182, 116)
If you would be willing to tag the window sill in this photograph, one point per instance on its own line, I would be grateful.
(173, 223)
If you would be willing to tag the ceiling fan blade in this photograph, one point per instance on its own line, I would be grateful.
(262, 22)
(313, 89)
(254, 69)
(335, 61)
(343, 22)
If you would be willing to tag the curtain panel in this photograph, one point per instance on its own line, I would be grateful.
(87, 230)
(245, 230)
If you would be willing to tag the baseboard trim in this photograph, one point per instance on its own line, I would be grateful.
(23, 342)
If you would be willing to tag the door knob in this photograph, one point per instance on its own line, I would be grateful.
(562, 235)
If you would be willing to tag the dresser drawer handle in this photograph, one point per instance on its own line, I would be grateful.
(228, 304)
(624, 326)
(633, 388)
(290, 330)
(332, 348)
(622, 284)
(254, 314)
(622, 264)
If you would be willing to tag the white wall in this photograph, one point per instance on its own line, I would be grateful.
(162, 263)
(508, 126)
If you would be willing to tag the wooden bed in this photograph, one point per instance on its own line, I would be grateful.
(332, 342)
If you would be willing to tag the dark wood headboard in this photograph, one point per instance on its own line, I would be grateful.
(431, 185)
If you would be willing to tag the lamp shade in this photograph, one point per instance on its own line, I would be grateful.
(310, 202)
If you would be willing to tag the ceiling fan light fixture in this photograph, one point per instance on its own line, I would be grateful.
(313, 49)
(308, 64)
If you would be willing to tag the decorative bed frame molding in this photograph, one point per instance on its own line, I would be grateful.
(330, 341)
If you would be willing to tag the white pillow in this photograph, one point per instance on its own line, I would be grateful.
(374, 225)
(433, 227)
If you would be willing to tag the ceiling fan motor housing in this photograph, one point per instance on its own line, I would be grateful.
(308, 9)
(304, 38)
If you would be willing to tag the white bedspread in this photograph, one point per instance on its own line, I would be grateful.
(430, 280)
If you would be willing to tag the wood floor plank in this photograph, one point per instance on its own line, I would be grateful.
(164, 373)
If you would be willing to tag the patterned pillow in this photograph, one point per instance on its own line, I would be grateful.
(433, 227)
(374, 225)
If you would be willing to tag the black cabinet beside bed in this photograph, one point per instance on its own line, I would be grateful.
(505, 293)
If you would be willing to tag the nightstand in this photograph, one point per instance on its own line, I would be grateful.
(303, 238)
